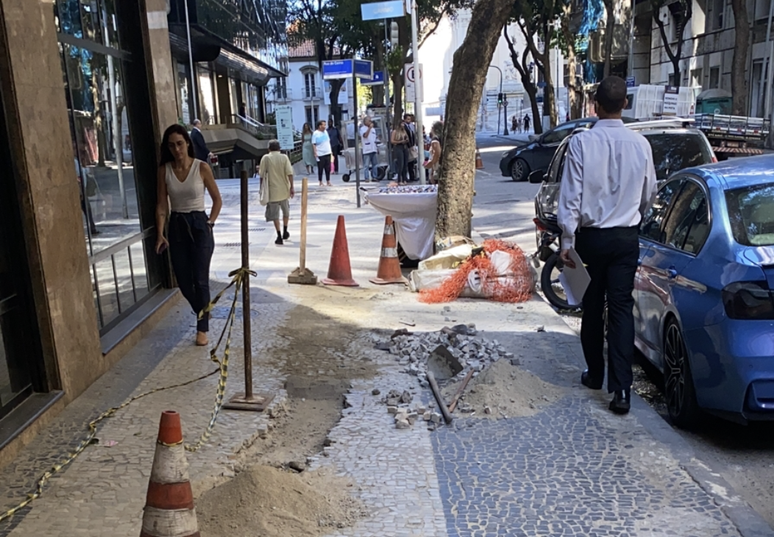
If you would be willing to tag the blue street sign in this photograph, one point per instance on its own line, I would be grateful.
(630, 82)
(382, 10)
(377, 80)
(333, 69)
(364, 69)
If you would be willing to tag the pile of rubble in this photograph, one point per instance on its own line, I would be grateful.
(398, 404)
(449, 353)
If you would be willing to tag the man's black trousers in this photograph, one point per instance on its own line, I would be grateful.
(611, 257)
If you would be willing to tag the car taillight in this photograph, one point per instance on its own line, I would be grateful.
(748, 300)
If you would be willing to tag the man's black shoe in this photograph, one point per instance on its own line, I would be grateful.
(286, 235)
(590, 382)
(622, 402)
(278, 241)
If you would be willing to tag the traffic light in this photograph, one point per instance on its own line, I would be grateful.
(500, 98)
(394, 34)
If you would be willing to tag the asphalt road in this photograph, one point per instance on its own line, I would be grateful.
(742, 455)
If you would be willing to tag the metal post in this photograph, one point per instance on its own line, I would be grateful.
(417, 91)
(357, 134)
(117, 143)
(387, 144)
(246, 400)
(194, 84)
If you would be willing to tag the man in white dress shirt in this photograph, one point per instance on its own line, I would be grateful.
(608, 183)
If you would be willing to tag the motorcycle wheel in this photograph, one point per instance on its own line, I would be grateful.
(549, 284)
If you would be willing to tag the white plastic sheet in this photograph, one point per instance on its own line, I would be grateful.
(414, 217)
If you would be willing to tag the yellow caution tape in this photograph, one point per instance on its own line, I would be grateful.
(239, 276)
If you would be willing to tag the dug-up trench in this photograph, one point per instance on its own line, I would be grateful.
(268, 496)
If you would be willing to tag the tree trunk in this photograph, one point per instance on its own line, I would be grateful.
(549, 93)
(572, 65)
(380, 64)
(531, 90)
(471, 63)
(335, 109)
(741, 42)
(609, 28)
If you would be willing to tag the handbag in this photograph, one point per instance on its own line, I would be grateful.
(264, 192)
(413, 153)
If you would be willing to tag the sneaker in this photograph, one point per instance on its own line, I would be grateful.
(286, 235)
(278, 241)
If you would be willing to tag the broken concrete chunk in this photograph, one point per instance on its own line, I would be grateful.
(402, 424)
(392, 409)
(406, 398)
(375, 391)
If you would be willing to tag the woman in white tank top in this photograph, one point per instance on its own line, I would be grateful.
(181, 183)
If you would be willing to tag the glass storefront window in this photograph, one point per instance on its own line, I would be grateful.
(184, 92)
(103, 160)
(206, 97)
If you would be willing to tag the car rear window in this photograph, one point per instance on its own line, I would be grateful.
(676, 151)
(751, 214)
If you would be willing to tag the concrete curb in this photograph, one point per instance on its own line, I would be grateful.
(745, 518)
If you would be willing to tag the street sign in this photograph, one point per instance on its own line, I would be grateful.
(411, 82)
(382, 10)
(630, 82)
(377, 80)
(671, 98)
(284, 116)
(333, 69)
(364, 69)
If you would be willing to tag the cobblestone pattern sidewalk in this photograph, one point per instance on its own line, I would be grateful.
(106, 486)
(563, 472)
(394, 469)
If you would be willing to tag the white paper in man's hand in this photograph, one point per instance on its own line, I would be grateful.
(575, 281)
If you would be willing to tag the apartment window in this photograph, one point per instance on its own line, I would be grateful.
(309, 85)
(716, 10)
(696, 77)
(714, 81)
(312, 115)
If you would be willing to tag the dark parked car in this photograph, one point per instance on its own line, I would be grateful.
(536, 154)
(674, 148)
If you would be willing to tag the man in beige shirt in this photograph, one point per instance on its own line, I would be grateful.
(276, 169)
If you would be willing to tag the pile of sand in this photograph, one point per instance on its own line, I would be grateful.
(506, 390)
(268, 502)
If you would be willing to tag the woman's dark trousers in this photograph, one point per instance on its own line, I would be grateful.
(191, 244)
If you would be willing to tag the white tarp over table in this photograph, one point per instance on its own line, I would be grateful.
(414, 217)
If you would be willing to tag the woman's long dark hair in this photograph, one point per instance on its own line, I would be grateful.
(166, 154)
(307, 129)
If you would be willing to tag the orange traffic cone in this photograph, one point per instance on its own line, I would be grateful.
(479, 162)
(169, 506)
(389, 266)
(339, 270)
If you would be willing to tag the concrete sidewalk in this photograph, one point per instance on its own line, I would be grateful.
(572, 468)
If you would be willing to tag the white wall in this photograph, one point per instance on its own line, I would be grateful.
(436, 57)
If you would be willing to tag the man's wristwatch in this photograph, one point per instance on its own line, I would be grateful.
(210, 223)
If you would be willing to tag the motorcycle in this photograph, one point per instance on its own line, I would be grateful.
(548, 234)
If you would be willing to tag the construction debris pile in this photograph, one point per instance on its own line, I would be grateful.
(405, 415)
(449, 353)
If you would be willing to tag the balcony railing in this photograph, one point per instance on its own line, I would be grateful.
(312, 93)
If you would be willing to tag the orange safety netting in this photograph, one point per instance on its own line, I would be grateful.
(515, 286)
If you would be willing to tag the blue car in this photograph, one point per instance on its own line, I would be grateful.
(704, 290)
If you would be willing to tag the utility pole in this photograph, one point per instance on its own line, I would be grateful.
(194, 85)
(417, 90)
(769, 96)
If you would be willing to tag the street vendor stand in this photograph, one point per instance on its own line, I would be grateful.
(413, 209)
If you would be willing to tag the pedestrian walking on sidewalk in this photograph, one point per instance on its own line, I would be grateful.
(181, 182)
(370, 149)
(307, 149)
(526, 123)
(321, 143)
(278, 172)
(400, 150)
(608, 183)
(337, 145)
(200, 149)
(413, 150)
(436, 149)
(514, 124)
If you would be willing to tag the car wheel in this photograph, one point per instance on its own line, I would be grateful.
(345, 178)
(678, 381)
(519, 170)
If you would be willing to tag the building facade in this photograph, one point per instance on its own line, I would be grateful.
(304, 90)
(87, 89)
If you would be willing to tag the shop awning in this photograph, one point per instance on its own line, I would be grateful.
(208, 47)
